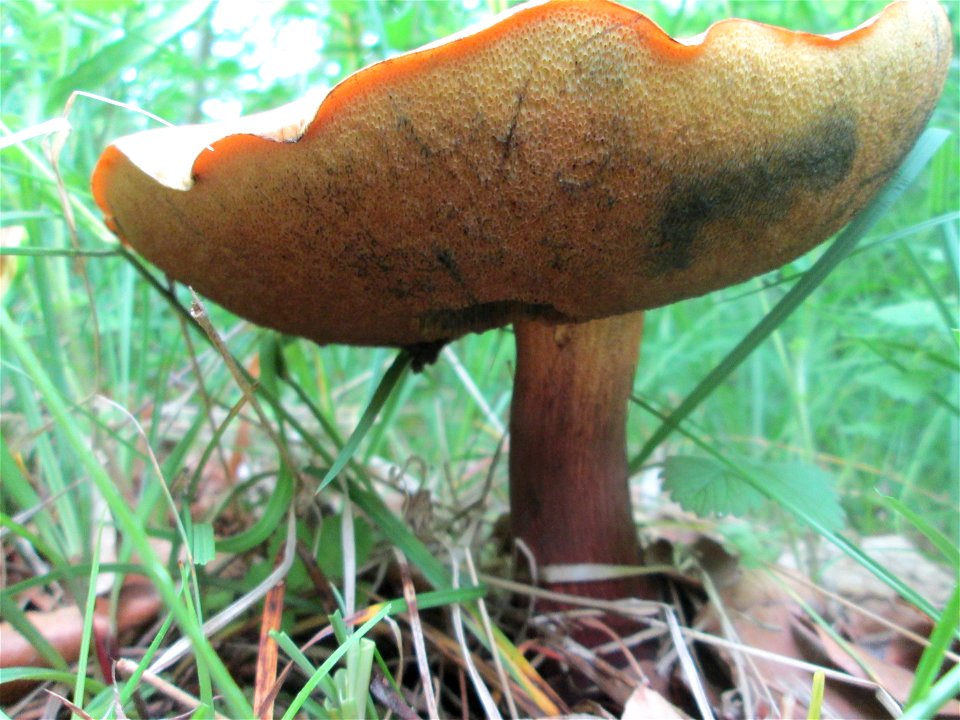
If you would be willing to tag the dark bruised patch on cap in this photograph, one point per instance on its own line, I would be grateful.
(759, 189)
(476, 318)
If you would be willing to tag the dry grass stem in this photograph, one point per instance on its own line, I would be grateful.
(480, 688)
(416, 632)
(182, 698)
(488, 632)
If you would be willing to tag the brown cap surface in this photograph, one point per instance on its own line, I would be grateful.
(569, 162)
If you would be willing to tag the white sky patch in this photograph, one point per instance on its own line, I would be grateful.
(674, 6)
(471, 4)
(369, 38)
(129, 74)
(217, 109)
(243, 17)
(189, 40)
(295, 50)
(241, 26)
(249, 82)
(246, 31)
(227, 48)
(332, 68)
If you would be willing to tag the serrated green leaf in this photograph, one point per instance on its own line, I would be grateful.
(804, 489)
(706, 487)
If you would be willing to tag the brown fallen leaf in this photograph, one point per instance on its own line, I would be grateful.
(857, 661)
(138, 603)
(887, 628)
(762, 612)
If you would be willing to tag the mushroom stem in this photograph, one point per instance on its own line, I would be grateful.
(569, 496)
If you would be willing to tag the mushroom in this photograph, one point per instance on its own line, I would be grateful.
(563, 169)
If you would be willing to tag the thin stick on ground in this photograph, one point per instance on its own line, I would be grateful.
(129, 667)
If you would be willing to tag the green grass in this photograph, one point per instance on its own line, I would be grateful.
(860, 380)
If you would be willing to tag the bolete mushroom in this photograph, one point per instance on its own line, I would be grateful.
(562, 169)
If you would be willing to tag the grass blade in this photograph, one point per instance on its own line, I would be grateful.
(324, 670)
(949, 550)
(390, 380)
(947, 687)
(132, 529)
(942, 637)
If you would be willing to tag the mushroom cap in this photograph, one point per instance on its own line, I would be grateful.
(568, 162)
